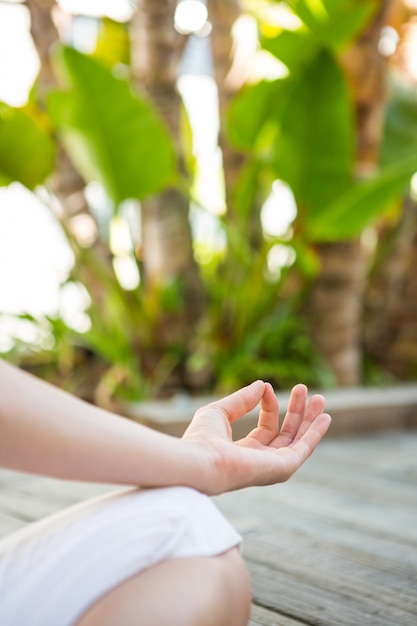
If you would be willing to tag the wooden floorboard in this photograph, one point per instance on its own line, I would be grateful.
(334, 546)
(337, 544)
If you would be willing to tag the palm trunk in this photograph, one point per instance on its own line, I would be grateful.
(390, 333)
(223, 15)
(390, 330)
(167, 241)
(337, 295)
(230, 73)
(336, 307)
(65, 183)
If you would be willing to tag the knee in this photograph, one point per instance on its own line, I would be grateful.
(236, 587)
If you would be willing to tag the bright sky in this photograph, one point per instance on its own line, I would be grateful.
(18, 60)
(34, 256)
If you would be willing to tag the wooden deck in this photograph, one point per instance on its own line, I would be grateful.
(335, 546)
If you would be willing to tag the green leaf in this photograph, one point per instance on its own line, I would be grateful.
(27, 151)
(335, 23)
(315, 151)
(293, 48)
(112, 134)
(249, 111)
(400, 127)
(347, 216)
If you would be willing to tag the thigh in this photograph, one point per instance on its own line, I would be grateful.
(201, 591)
(72, 559)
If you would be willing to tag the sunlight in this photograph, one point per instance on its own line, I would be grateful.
(120, 11)
(20, 63)
(35, 260)
(121, 245)
(190, 16)
(279, 210)
(413, 187)
(199, 94)
(279, 256)
(388, 41)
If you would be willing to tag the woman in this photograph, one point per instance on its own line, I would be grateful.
(158, 553)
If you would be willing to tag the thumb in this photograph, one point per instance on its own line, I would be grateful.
(240, 402)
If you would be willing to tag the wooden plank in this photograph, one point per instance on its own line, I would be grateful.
(315, 605)
(378, 493)
(337, 544)
(327, 566)
(261, 616)
(25, 498)
(334, 558)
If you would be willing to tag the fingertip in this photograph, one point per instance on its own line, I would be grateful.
(300, 387)
(258, 383)
(327, 417)
(325, 420)
(269, 398)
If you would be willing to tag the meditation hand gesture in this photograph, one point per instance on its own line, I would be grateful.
(268, 454)
(47, 431)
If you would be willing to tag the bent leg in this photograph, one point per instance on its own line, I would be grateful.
(195, 591)
(85, 552)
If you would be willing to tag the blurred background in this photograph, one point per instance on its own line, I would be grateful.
(195, 194)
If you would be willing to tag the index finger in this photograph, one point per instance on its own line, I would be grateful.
(240, 402)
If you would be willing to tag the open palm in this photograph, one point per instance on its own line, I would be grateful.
(269, 453)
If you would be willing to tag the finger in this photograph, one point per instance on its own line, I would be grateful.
(306, 444)
(314, 408)
(268, 422)
(294, 415)
(240, 402)
(268, 416)
(269, 467)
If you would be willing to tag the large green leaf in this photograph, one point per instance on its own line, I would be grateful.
(27, 152)
(111, 133)
(357, 207)
(334, 23)
(315, 151)
(249, 111)
(293, 48)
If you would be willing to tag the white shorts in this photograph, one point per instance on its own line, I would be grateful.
(54, 569)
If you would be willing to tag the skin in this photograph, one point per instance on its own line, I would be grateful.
(212, 591)
(47, 431)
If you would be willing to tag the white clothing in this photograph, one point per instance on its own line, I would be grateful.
(54, 569)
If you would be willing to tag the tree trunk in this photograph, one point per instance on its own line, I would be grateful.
(223, 15)
(390, 329)
(335, 309)
(229, 54)
(66, 184)
(337, 295)
(390, 332)
(167, 252)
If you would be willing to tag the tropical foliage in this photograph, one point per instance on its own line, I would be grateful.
(300, 128)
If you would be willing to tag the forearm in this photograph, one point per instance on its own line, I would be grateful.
(47, 431)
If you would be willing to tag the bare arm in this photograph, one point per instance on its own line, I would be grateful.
(47, 431)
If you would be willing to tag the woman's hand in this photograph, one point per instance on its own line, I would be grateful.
(268, 454)
(47, 431)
